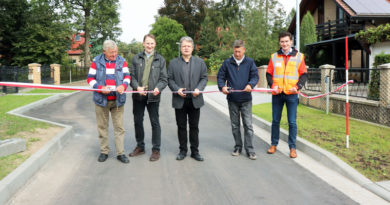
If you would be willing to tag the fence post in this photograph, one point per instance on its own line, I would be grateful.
(36, 71)
(262, 83)
(57, 75)
(384, 94)
(326, 70)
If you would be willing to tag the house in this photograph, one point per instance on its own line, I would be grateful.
(336, 19)
(75, 51)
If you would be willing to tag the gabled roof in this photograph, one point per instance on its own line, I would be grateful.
(77, 42)
(369, 7)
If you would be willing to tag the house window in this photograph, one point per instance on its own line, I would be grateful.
(78, 38)
(340, 13)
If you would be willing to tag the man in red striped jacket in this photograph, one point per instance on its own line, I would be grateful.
(109, 72)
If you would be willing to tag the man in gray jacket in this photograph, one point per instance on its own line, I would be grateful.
(187, 76)
(148, 72)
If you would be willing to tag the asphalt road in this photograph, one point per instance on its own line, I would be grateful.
(73, 175)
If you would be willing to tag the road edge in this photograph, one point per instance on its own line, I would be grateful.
(10, 184)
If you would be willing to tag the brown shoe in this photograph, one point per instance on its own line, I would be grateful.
(155, 155)
(272, 149)
(137, 151)
(293, 153)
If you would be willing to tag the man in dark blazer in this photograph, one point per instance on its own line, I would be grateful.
(187, 76)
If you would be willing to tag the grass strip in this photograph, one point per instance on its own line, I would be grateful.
(369, 144)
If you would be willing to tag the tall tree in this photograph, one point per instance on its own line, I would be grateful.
(98, 18)
(307, 31)
(167, 32)
(13, 17)
(189, 13)
(44, 38)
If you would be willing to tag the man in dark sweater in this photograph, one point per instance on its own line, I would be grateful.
(239, 73)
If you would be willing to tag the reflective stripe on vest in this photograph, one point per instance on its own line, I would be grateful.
(286, 80)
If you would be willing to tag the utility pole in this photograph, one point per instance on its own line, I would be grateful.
(297, 18)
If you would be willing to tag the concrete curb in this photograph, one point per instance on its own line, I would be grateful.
(322, 156)
(17, 178)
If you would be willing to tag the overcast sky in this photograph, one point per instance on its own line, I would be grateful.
(137, 16)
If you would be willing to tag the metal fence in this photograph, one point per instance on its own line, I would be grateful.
(13, 74)
(73, 73)
(360, 76)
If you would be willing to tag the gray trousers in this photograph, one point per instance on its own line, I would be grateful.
(243, 109)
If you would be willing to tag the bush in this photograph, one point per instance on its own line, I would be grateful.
(216, 59)
(373, 87)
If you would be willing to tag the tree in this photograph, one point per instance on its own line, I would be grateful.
(189, 13)
(218, 26)
(98, 18)
(13, 17)
(44, 38)
(307, 31)
(167, 32)
(129, 50)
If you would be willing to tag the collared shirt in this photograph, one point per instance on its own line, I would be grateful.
(239, 61)
(287, 52)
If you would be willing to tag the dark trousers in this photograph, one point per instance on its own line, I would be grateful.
(138, 112)
(193, 121)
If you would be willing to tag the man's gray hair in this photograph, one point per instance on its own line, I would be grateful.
(188, 39)
(238, 44)
(109, 44)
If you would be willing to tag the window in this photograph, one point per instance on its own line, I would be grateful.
(78, 38)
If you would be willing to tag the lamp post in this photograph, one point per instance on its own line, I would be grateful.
(178, 45)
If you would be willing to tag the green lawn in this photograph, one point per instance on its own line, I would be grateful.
(48, 91)
(369, 145)
(11, 125)
(212, 82)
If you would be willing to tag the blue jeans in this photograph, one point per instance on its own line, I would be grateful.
(138, 112)
(278, 102)
(243, 109)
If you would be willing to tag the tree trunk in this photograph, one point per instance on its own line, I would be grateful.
(87, 52)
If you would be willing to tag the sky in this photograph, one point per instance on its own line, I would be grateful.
(137, 17)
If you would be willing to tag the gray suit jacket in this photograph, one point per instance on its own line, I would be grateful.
(198, 79)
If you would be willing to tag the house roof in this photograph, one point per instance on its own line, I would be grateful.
(369, 8)
(354, 8)
(77, 42)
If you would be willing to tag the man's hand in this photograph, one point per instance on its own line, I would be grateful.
(180, 92)
(277, 91)
(196, 92)
(293, 90)
(248, 88)
(120, 89)
(141, 89)
(105, 90)
(156, 91)
(225, 90)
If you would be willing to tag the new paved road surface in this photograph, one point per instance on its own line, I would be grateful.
(74, 176)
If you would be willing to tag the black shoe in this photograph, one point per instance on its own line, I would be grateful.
(102, 157)
(236, 152)
(123, 158)
(181, 156)
(197, 157)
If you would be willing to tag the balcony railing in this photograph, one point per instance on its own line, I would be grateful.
(337, 28)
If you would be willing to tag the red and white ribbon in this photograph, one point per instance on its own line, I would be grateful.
(76, 88)
(325, 94)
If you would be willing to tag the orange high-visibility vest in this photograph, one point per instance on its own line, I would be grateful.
(286, 76)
